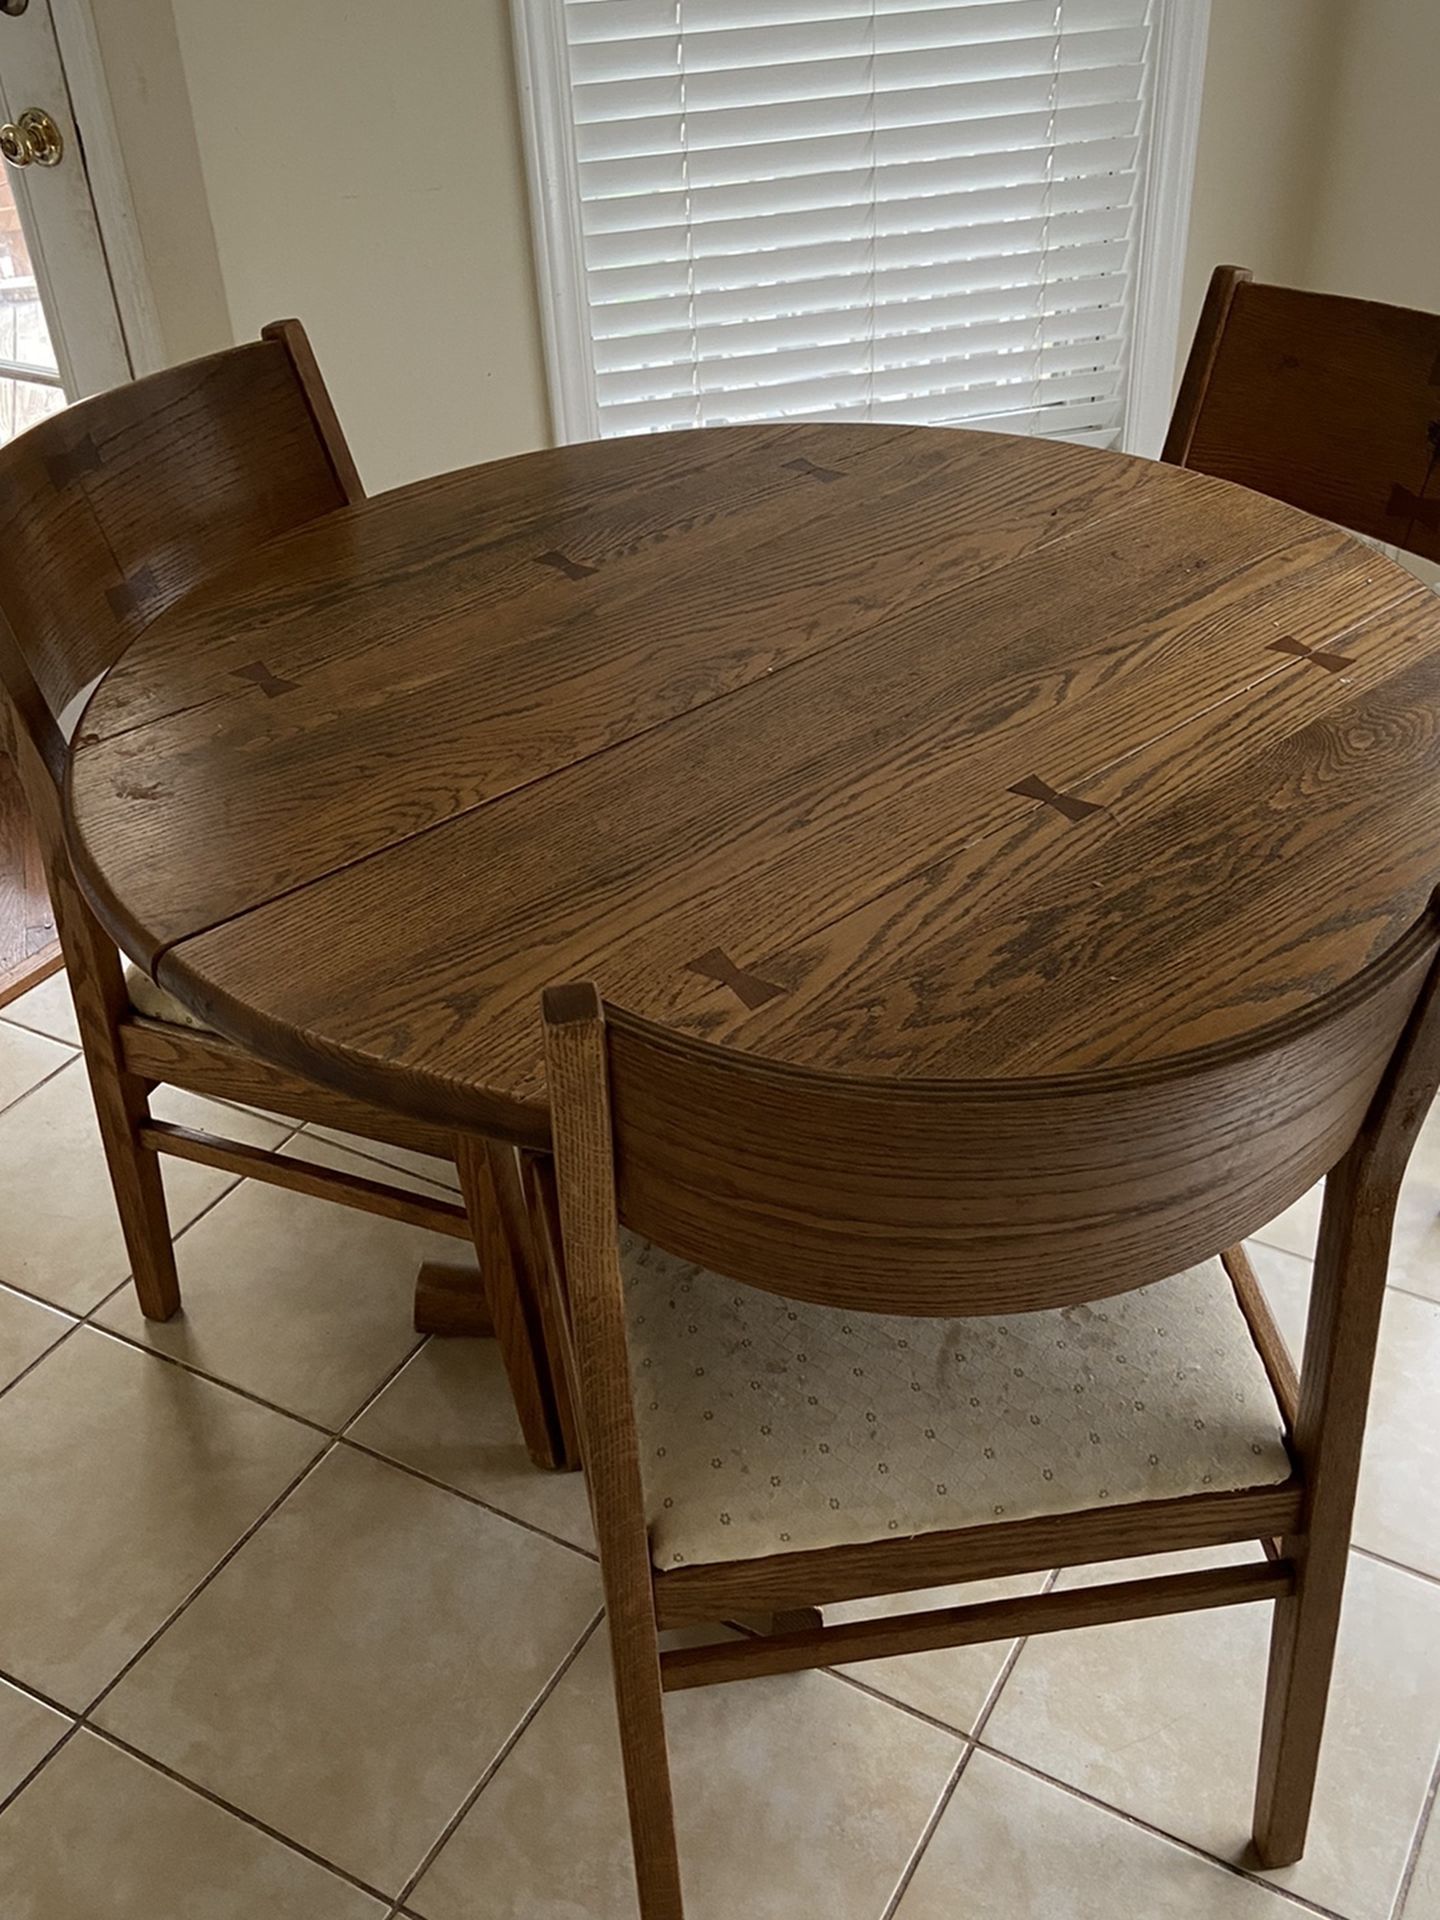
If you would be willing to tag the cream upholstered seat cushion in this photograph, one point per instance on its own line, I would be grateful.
(155, 1003)
(770, 1426)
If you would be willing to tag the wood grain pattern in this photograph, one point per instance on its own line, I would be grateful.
(111, 513)
(589, 1299)
(449, 1300)
(303, 1176)
(1341, 1334)
(859, 1192)
(972, 1624)
(782, 1580)
(207, 1063)
(1332, 404)
(29, 949)
(513, 775)
(943, 1197)
(621, 653)
(868, 1194)
(509, 1276)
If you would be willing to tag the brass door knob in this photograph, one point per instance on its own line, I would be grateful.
(32, 140)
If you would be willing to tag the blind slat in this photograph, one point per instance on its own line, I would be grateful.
(906, 210)
(898, 369)
(604, 23)
(960, 327)
(859, 220)
(901, 183)
(754, 71)
(1011, 272)
(1028, 243)
(943, 140)
(693, 130)
(816, 399)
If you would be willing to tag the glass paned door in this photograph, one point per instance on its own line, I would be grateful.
(60, 329)
(30, 385)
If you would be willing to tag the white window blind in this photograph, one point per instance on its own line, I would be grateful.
(854, 209)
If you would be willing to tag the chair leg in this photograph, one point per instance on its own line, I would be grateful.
(121, 1109)
(1297, 1693)
(1342, 1329)
(640, 1710)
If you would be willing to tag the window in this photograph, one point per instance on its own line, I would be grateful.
(966, 214)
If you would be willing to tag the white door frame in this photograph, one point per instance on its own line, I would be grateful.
(109, 184)
(55, 57)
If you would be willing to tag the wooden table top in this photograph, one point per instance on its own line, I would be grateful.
(893, 750)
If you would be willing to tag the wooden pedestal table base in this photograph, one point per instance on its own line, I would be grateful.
(450, 1300)
(505, 1300)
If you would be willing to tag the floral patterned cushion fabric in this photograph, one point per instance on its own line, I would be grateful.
(770, 1426)
(155, 1003)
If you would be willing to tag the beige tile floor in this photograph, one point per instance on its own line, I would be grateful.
(290, 1628)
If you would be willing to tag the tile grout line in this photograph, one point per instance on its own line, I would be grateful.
(1396, 1566)
(88, 1317)
(38, 1694)
(375, 1159)
(509, 1745)
(1417, 1842)
(337, 1436)
(83, 1721)
(889, 1700)
(967, 1752)
(200, 1586)
(471, 1499)
(344, 1437)
(6, 1800)
(31, 1365)
(918, 1713)
(340, 1432)
(213, 1379)
(205, 1793)
(55, 1706)
(1160, 1833)
(7, 1019)
(1308, 1260)
(35, 1086)
(1427, 1299)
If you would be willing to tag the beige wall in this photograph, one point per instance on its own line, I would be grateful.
(1377, 232)
(359, 164)
(1270, 77)
(361, 167)
(1314, 164)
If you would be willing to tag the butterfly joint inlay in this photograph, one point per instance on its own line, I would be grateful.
(749, 987)
(1032, 787)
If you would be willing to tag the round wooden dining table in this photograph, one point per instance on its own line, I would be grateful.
(892, 750)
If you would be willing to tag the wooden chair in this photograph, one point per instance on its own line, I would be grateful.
(1329, 403)
(795, 1438)
(109, 512)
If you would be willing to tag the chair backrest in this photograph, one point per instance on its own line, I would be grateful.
(113, 509)
(1328, 403)
(953, 1198)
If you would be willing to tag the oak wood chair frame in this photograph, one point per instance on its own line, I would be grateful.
(1327, 402)
(254, 427)
(752, 1169)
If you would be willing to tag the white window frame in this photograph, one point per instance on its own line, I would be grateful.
(1181, 29)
